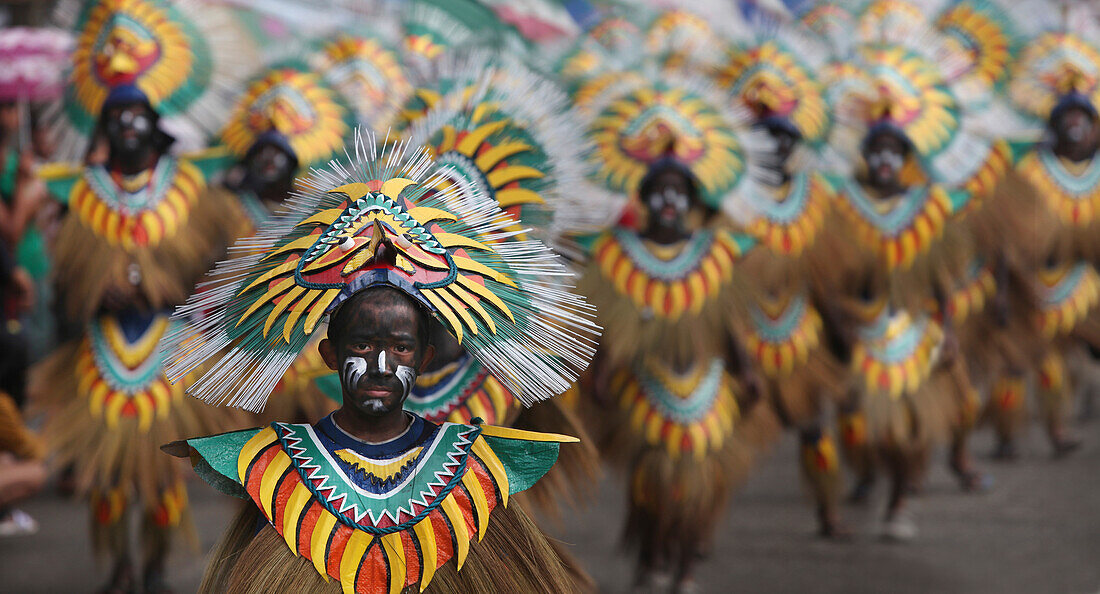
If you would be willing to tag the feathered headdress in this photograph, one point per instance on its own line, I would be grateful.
(368, 73)
(514, 136)
(1062, 63)
(506, 302)
(634, 116)
(289, 100)
(908, 84)
(188, 67)
(774, 76)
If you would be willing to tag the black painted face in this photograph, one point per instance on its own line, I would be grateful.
(785, 143)
(379, 351)
(885, 156)
(668, 200)
(270, 166)
(130, 128)
(1077, 128)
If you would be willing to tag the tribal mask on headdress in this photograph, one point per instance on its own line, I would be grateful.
(291, 106)
(495, 297)
(183, 65)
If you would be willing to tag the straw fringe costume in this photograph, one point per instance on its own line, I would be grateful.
(895, 268)
(418, 511)
(131, 247)
(774, 78)
(672, 420)
(1050, 203)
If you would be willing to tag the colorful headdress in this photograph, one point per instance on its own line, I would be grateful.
(515, 138)
(775, 78)
(430, 31)
(187, 66)
(988, 34)
(906, 87)
(616, 41)
(1052, 66)
(289, 100)
(367, 73)
(635, 117)
(504, 301)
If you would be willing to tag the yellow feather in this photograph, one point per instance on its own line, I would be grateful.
(495, 155)
(507, 175)
(445, 311)
(299, 500)
(424, 215)
(458, 523)
(318, 541)
(352, 558)
(489, 458)
(252, 447)
(396, 556)
(394, 187)
(478, 496)
(469, 144)
(281, 307)
(484, 293)
(425, 533)
(270, 480)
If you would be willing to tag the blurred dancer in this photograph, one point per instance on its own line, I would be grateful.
(139, 231)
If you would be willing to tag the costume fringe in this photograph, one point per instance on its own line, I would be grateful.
(91, 268)
(514, 556)
(120, 464)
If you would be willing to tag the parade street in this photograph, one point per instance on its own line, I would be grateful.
(1036, 531)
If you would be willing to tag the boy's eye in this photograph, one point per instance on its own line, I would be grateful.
(401, 348)
(360, 346)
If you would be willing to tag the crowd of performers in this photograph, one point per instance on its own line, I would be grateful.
(404, 282)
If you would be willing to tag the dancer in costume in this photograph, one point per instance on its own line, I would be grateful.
(404, 504)
(287, 120)
(919, 152)
(139, 232)
(1054, 259)
(663, 292)
(785, 337)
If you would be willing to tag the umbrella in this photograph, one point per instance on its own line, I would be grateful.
(32, 63)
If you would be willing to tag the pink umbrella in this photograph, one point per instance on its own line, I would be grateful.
(33, 63)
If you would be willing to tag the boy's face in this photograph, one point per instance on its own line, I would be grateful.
(885, 156)
(379, 351)
(1077, 127)
(668, 200)
(129, 127)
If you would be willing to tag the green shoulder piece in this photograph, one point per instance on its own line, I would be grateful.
(217, 459)
(744, 241)
(585, 241)
(329, 384)
(959, 199)
(212, 161)
(60, 179)
(525, 460)
(1019, 148)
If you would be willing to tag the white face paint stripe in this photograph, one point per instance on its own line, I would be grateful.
(382, 361)
(353, 370)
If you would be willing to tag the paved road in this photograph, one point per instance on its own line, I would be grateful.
(1037, 531)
